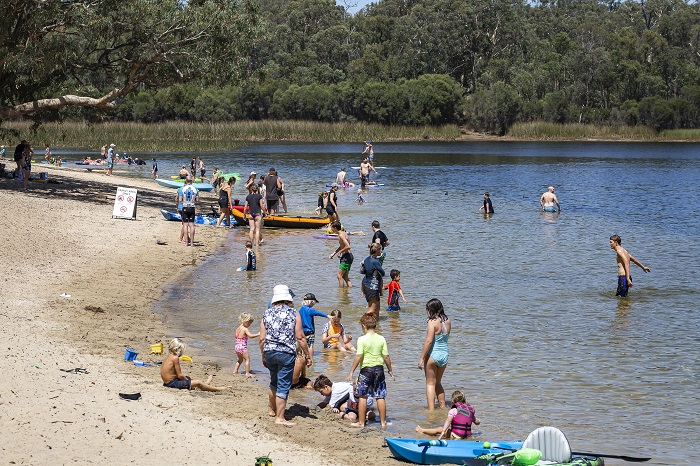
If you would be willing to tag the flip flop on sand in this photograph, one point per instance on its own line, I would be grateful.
(77, 370)
(130, 396)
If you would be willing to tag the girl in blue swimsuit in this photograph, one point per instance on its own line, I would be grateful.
(435, 352)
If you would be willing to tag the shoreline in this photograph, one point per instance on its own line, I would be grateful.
(61, 239)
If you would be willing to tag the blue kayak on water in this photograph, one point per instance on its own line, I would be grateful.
(420, 451)
(176, 185)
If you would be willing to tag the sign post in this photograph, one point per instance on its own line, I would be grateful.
(125, 203)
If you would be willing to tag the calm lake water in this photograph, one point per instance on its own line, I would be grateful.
(538, 336)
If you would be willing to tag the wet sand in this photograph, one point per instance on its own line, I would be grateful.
(60, 238)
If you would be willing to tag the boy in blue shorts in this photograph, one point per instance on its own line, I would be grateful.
(394, 291)
(372, 354)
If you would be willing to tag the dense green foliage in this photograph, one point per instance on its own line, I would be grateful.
(487, 63)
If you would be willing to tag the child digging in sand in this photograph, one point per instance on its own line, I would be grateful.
(172, 375)
(459, 420)
(242, 335)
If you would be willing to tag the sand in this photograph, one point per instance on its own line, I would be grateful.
(60, 238)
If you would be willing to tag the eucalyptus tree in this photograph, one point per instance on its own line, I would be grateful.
(92, 53)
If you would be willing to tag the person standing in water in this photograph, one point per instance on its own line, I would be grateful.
(548, 199)
(623, 258)
(344, 254)
(488, 206)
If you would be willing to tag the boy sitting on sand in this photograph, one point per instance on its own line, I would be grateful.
(172, 375)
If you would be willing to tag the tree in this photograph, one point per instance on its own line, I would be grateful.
(105, 49)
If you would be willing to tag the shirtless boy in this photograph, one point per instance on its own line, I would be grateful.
(172, 375)
(548, 199)
(624, 278)
(344, 254)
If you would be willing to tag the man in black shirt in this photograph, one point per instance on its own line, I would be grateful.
(379, 237)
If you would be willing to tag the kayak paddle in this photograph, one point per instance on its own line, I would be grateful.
(631, 459)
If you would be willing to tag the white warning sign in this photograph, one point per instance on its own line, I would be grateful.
(125, 203)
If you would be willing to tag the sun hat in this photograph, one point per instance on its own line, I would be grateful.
(112, 145)
(310, 297)
(281, 293)
(252, 173)
(334, 185)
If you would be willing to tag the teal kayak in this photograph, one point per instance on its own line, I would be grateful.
(176, 185)
(421, 451)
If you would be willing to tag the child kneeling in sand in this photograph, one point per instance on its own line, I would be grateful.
(341, 396)
(459, 420)
(172, 375)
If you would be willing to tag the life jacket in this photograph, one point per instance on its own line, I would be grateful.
(462, 422)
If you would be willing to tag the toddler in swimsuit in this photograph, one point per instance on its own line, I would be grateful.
(242, 335)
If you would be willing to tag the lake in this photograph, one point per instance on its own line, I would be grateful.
(538, 336)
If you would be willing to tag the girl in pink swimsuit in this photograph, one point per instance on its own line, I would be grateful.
(242, 335)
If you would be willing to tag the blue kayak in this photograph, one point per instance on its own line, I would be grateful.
(446, 452)
(176, 185)
(198, 219)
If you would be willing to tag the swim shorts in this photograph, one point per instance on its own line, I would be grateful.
(371, 382)
(346, 261)
(371, 294)
(393, 308)
(622, 286)
(179, 384)
(330, 210)
(550, 208)
(272, 205)
(364, 179)
(202, 172)
(110, 164)
(188, 214)
(310, 338)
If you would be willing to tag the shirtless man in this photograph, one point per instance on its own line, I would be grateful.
(184, 173)
(365, 167)
(343, 253)
(340, 177)
(624, 278)
(548, 199)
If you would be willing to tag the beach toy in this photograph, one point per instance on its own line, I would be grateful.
(157, 348)
(263, 461)
(186, 358)
(130, 354)
(141, 363)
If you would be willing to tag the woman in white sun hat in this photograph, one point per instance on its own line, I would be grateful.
(280, 331)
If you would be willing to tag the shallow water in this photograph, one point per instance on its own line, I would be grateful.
(538, 337)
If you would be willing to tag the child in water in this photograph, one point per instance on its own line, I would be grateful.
(242, 335)
(459, 420)
(360, 200)
(394, 291)
(322, 201)
(172, 375)
(334, 333)
(251, 262)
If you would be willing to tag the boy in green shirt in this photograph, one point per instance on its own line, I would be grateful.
(372, 354)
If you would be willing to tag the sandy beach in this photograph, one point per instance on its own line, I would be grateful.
(60, 238)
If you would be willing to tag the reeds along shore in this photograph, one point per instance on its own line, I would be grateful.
(201, 136)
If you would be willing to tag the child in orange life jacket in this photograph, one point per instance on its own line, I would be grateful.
(459, 420)
(334, 334)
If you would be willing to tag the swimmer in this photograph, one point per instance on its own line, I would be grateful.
(548, 199)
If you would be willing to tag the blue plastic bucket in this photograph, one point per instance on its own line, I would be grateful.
(130, 354)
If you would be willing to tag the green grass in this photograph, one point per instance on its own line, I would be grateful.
(191, 136)
(180, 136)
(552, 131)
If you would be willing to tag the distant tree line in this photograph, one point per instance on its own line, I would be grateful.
(483, 63)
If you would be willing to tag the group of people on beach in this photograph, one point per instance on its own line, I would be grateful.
(287, 335)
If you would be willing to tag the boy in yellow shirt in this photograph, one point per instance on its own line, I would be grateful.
(372, 354)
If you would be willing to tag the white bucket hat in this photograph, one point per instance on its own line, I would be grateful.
(281, 293)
